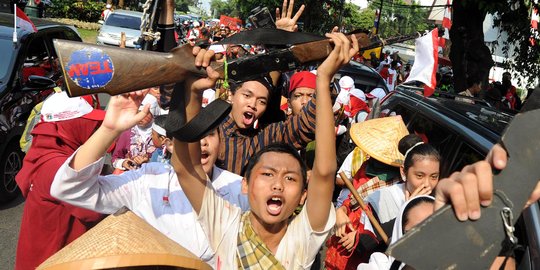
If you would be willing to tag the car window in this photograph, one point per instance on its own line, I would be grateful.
(465, 155)
(37, 60)
(124, 21)
(8, 51)
(405, 113)
(71, 35)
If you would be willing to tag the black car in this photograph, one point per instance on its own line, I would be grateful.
(32, 54)
(365, 78)
(463, 133)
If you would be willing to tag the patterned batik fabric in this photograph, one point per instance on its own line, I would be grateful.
(252, 253)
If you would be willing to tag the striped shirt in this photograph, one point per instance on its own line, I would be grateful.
(238, 145)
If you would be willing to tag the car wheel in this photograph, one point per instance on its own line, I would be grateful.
(10, 164)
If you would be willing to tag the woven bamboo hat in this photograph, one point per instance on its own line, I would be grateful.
(379, 138)
(123, 240)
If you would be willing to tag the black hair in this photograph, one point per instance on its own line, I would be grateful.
(276, 148)
(161, 121)
(413, 203)
(273, 113)
(263, 79)
(417, 152)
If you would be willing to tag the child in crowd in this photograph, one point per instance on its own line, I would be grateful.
(134, 147)
(412, 213)
(269, 237)
(151, 191)
(160, 140)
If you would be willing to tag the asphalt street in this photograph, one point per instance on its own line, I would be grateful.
(10, 221)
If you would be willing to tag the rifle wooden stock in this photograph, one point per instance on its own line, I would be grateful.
(91, 69)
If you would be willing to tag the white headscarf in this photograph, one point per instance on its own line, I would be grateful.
(380, 261)
(397, 232)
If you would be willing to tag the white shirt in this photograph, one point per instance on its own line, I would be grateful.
(221, 222)
(392, 79)
(106, 14)
(145, 191)
(387, 201)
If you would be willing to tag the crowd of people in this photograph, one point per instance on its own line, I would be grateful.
(254, 192)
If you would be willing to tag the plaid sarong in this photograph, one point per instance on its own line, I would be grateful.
(252, 253)
(373, 184)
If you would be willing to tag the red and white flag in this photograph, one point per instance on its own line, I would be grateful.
(446, 24)
(426, 61)
(24, 22)
(534, 25)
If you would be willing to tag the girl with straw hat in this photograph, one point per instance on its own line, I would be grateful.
(419, 174)
(378, 140)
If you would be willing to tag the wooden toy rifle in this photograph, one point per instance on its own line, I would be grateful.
(91, 69)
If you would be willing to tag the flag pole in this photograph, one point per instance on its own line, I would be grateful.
(14, 23)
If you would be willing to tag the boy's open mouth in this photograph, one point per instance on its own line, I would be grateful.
(274, 205)
(249, 117)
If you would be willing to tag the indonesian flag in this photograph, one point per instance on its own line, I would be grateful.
(446, 24)
(23, 21)
(426, 61)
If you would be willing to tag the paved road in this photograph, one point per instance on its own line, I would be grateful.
(10, 221)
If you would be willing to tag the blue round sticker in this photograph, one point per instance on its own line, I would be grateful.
(90, 68)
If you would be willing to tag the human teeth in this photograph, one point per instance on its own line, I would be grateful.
(276, 199)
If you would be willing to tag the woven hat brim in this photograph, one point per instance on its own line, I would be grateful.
(122, 240)
(132, 260)
(379, 138)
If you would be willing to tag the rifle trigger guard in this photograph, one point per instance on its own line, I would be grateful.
(508, 217)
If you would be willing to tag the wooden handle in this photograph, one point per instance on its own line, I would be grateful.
(358, 198)
(91, 69)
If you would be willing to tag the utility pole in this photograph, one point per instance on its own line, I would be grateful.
(379, 18)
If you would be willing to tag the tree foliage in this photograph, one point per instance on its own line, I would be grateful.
(220, 7)
(354, 18)
(397, 18)
(515, 21)
(468, 47)
(86, 12)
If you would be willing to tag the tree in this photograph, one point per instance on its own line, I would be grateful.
(183, 5)
(353, 18)
(399, 18)
(219, 7)
(469, 54)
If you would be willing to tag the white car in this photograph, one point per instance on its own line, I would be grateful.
(120, 21)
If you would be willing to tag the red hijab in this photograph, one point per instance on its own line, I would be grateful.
(49, 224)
(52, 144)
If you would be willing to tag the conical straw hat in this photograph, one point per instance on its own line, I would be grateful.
(379, 138)
(122, 240)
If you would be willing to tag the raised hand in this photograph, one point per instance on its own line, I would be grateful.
(471, 187)
(203, 58)
(123, 111)
(284, 21)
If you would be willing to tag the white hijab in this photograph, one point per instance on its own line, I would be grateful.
(380, 261)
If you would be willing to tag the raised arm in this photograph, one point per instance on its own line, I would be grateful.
(186, 159)
(321, 185)
(122, 114)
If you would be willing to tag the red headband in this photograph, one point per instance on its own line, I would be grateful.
(302, 79)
